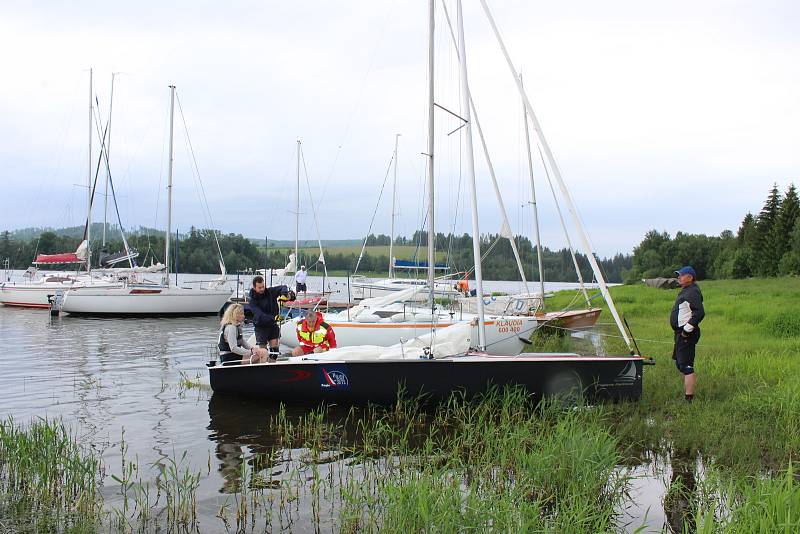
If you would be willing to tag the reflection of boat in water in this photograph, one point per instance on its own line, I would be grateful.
(242, 431)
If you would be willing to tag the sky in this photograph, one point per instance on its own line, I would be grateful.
(675, 116)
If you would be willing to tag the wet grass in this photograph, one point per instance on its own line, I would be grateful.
(48, 482)
(745, 420)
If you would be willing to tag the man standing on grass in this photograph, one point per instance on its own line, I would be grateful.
(685, 321)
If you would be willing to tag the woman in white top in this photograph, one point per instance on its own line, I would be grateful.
(233, 348)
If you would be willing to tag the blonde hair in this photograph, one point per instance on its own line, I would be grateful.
(231, 313)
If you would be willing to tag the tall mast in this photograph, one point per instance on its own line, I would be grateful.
(108, 153)
(169, 183)
(562, 186)
(533, 202)
(394, 203)
(431, 230)
(89, 181)
(476, 236)
(297, 213)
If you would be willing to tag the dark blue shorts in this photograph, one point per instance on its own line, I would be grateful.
(267, 332)
(684, 350)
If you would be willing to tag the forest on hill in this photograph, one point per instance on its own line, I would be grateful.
(196, 253)
(765, 245)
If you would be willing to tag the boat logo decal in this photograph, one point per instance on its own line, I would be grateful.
(334, 377)
(297, 375)
(627, 375)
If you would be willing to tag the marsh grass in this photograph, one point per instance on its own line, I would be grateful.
(745, 420)
(48, 482)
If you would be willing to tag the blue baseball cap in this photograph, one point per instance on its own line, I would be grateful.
(687, 270)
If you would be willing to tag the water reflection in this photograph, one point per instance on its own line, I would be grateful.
(681, 500)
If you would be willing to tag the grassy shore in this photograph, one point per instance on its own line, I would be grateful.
(500, 464)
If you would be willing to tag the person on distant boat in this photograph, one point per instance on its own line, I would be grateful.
(263, 303)
(314, 335)
(462, 286)
(685, 321)
(300, 280)
(233, 348)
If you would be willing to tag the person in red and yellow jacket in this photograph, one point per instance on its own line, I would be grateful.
(314, 335)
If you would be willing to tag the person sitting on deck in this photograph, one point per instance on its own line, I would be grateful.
(233, 348)
(314, 335)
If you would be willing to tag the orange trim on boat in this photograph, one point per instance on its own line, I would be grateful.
(396, 325)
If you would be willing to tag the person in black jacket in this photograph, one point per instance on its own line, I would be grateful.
(263, 303)
(685, 321)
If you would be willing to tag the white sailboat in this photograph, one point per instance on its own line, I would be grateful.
(38, 287)
(149, 298)
(396, 318)
(437, 364)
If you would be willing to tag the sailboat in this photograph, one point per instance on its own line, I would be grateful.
(150, 298)
(442, 361)
(366, 288)
(39, 288)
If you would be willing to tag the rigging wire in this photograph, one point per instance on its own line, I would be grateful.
(374, 212)
(199, 181)
(362, 87)
(314, 215)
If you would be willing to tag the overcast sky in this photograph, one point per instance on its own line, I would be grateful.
(673, 116)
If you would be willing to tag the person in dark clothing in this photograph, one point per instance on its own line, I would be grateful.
(685, 321)
(263, 303)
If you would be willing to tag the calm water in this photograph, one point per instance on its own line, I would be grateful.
(108, 376)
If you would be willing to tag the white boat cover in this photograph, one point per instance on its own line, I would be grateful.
(441, 343)
(376, 302)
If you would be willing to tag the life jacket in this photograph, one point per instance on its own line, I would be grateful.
(318, 337)
(223, 344)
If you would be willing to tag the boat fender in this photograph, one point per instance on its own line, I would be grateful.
(367, 318)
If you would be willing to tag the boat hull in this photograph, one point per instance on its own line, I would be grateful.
(135, 300)
(36, 295)
(579, 378)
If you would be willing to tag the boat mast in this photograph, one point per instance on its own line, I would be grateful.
(562, 186)
(505, 230)
(566, 234)
(108, 153)
(297, 213)
(394, 203)
(169, 183)
(539, 252)
(431, 233)
(89, 182)
(476, 237)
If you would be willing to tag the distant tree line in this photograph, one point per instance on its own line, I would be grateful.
(196, 253)
(767, 244)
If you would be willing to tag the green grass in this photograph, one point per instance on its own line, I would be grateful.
(48, 481)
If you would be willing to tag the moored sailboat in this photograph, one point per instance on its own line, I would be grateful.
(150, 298)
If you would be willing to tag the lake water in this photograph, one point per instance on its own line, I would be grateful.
(109, 376)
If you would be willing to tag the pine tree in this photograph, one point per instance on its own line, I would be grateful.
(747, 231)
(785, 223)
(765, 257)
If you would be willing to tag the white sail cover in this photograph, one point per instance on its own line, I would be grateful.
(441, 343)
(83, 250)
(378, 302)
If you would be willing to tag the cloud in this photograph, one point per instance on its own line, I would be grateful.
(650, 110)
